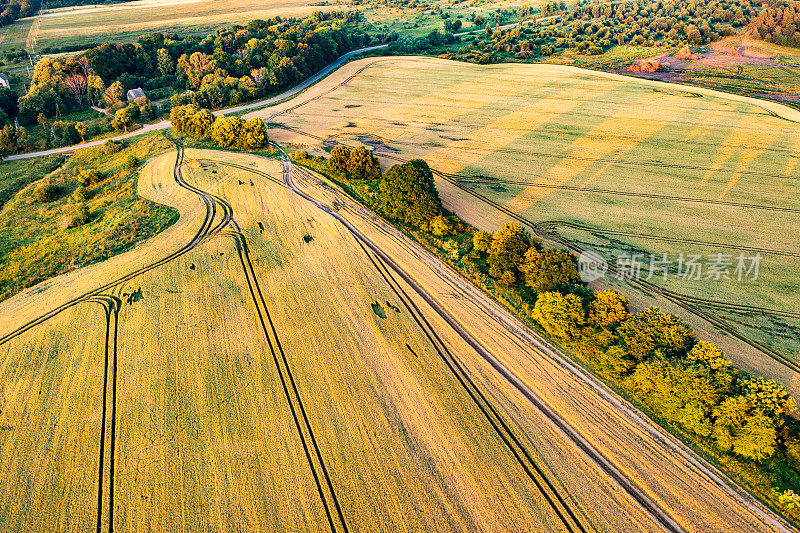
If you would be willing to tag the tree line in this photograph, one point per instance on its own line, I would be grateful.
(225, 131)
(652, 356)
(405, 193)
(591, 28)
(226, 67)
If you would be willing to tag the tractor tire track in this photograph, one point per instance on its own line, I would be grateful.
(510, 151)
(311, 448)
(207, 229)
(656, 513)
(111, 306)
(545, 486)
(551, 225)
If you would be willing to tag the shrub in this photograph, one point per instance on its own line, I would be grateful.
(131, 161)
(79, 194)
(112, 147)
(80, 217)
(45, 192)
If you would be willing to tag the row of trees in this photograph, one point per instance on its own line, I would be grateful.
(225, 131)
(405, 193)
(653, 356)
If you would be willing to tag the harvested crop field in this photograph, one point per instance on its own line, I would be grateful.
(597, 161)
(263, 365)
(127, 21)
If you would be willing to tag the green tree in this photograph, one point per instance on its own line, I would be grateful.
(362, 164)
(122, 120)
(560, 316)
(769, 397)
(708, 354)
(81, 128)
(440, 226)
(226, 131)
(507, 251)
(652, 330)
(607, 309)
(482, 240)
(200, 123)
(254, 134)
(407, 193)
(339, 157)
(165, 65)
(549, 270)
(114, 95)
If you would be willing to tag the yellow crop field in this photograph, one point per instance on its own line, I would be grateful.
(267, 363)
(589, 160)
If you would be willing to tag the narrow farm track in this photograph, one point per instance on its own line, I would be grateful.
(656, 512)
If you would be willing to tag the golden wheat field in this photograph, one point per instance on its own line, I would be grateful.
(260, 367)
(596, 161)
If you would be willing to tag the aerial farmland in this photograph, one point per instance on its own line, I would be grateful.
(399, 266)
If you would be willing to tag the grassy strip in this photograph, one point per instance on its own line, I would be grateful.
(42, 239)
(765, 479)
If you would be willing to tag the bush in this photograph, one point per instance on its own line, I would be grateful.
(45, 192)
(131, 161)
(79, 194)
(80, 217)
(112, 147)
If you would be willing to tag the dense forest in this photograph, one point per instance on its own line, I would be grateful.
(227, 67)
(779, 23)
(11, 10)
(594, 27)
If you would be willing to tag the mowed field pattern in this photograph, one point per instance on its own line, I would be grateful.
(610, 163)
(257, 367)
(267, 378)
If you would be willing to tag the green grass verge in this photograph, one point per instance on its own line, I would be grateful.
(35, 240)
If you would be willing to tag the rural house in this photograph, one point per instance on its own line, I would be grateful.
(4, 81)
(133, 94)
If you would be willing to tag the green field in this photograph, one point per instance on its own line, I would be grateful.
(654, 163)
